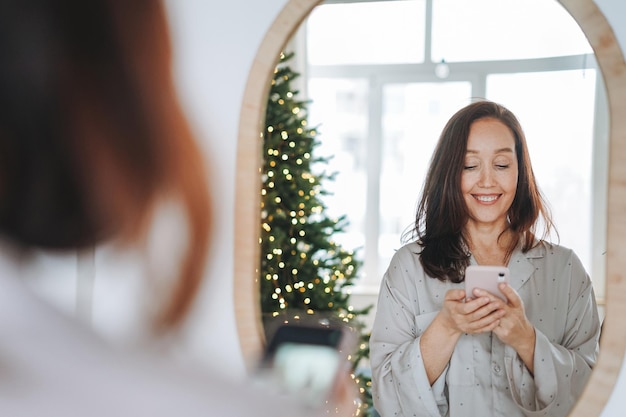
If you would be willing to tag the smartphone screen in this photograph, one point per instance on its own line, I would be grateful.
(303, 362)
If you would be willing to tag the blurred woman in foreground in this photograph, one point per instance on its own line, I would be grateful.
(91, 139)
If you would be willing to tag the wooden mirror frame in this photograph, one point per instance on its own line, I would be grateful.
(248, 185)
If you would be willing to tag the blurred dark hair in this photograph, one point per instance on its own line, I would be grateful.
(91, 133)
(442, 213)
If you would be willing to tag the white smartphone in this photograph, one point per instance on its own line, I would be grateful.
(485, 277)
(303, 361)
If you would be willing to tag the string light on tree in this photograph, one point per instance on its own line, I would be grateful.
(303, 270)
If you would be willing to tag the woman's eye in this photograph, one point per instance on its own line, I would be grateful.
(469, 167)
(502, 166)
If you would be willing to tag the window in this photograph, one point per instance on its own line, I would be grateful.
(383, 77)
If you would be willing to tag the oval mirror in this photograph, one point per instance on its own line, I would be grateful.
(611, 63)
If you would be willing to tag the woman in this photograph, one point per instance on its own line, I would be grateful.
(435, 352)
(92, 140)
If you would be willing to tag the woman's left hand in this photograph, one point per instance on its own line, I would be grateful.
(515, 329)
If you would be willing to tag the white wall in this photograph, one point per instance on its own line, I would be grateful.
(215, 43)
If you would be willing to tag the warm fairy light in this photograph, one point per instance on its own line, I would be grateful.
(296, 235)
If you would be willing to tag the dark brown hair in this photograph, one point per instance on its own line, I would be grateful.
(91, 133)
(442, 213)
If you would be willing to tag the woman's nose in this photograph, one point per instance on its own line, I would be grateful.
(486, 177)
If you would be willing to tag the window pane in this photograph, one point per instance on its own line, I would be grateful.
(339, 111)
(559, 131)
(366, 33)
(413, 117)
(481, 30)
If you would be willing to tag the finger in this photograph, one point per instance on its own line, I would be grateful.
(474, 304)
(484, 293)
(488, 309)
(510, 294)
(485, 324)
(491, 327)
(503, 331)
(455, 295)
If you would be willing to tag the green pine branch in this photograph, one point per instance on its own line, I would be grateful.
(303, 269)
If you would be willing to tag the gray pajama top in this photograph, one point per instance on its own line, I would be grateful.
(485, 377)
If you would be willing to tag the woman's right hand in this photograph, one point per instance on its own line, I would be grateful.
(478, 315)
(457, 316)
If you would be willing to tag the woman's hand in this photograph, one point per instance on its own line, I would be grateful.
(479, 315)
(345, 398)
(456, 317)
(514, 328)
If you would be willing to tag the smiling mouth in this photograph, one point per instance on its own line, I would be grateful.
(486, 198)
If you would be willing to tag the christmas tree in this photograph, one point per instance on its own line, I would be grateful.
(304, 271)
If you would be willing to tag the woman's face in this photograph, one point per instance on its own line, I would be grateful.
(489, 178)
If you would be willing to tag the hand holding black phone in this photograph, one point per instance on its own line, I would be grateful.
(306, 360)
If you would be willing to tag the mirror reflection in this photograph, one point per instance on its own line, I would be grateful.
(381, 90)
(380, 122)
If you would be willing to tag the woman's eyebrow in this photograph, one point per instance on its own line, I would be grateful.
(501, 150)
